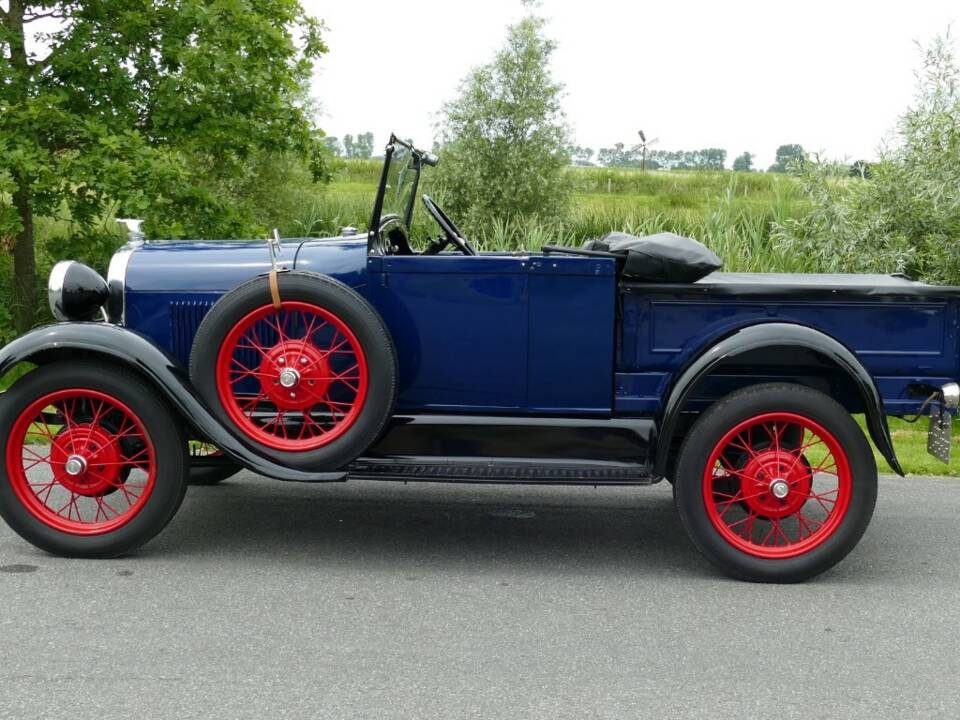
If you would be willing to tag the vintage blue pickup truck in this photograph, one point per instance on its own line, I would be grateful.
(366, 356)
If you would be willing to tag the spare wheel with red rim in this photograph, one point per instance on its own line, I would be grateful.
(310, 383)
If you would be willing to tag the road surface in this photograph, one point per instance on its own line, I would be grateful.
(374, 600)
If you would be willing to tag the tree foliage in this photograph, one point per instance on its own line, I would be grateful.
(505, 139)
(704, 159)
(619, 156)
(788, 157)
(632, 157)
(151, 108)
(743, 162)
(360, 147)
(904, 214)
(581, 156)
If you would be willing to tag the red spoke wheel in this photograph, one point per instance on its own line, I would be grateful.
(90, 460)
(293, 379)
(71, 449)
(310, 383)
(775, 483)
(775, 503)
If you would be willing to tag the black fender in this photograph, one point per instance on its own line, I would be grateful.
(770, 335)
(63, 341)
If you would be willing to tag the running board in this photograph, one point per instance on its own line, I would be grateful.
(506, 471)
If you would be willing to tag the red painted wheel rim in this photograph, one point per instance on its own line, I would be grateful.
(293, 379)
(777, 485)
(102, 490)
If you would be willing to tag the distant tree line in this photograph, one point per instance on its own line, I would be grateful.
(789, 157)
(360, 147)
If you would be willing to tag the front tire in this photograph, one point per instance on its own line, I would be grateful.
(775, 483)
(93, 464)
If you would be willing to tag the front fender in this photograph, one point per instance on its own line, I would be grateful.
(770, 335)
(129, 348)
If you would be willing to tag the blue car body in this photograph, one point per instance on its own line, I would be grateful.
(535, 334)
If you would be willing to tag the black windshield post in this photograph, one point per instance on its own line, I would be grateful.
(381, 192)
(408, 214)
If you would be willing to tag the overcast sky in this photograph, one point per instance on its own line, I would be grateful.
(830, 75)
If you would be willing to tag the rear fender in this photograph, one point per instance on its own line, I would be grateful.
(63, 341)
(769, 336)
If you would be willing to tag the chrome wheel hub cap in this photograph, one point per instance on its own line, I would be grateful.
(779, 488)
(75, 465)
(289, 378)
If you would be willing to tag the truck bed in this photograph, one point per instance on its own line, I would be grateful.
(903, 331)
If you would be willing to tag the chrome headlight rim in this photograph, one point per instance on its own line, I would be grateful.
(76, 292)
(55, 289)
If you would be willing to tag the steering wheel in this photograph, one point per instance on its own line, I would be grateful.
(449, 229)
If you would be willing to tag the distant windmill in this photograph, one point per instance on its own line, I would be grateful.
(644, 144)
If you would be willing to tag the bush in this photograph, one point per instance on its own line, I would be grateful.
(904, 216)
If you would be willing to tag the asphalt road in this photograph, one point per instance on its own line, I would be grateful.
(368, 600)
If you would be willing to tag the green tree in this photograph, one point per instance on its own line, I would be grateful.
(333, 145)
(903, 215)
(358, 147)
(582, 156)
(788, 156)
(619, 156)
(363, 148)
(504, 137)
(704, 159)
(743, 163)
(145, 107)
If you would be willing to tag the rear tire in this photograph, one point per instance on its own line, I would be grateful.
(775, 483)
(91, 461)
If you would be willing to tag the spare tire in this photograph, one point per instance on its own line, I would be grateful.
(310, 385)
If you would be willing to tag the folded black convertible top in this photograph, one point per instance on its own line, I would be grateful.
(664, 257)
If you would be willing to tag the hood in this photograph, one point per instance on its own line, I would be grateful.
(218, 266)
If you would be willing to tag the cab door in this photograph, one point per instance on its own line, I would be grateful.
(460, 329)
(499, 333)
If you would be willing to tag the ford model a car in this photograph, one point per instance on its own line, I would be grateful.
(368, 356)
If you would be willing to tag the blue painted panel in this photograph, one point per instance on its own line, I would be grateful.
(500, 333)
(571, 336)
(171, 285)
(914, 329)
(900, 340)
(460, 328)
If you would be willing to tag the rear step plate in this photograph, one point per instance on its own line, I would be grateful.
(500, 471)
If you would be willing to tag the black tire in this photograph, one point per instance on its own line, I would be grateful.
(710, 430)
(347, 305)
(157, 420)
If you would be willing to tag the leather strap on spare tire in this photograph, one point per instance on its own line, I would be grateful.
(298, 364)
(274, 289)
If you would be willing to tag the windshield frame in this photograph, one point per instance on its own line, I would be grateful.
(419, 158)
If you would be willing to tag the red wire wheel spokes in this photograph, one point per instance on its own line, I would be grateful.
(81, 462)
(777, 485)
(293, 379)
